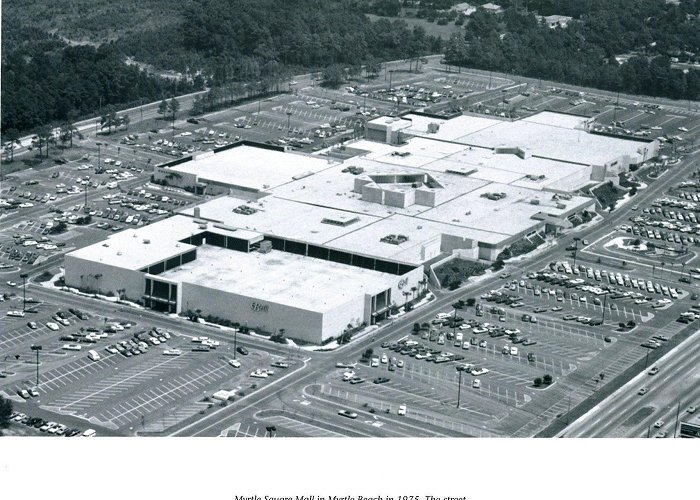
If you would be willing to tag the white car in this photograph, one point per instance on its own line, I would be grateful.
(17, 314)
(385, 359)
(235, 363)
(259, 373)
(72, 347)
(480, 371)
(52, 326)
(172, 352)
(682, 129)
(11, 283)
(402, 410)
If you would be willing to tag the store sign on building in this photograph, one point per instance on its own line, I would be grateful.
(403, 283)
(256, 307)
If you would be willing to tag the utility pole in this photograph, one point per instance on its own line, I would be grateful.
(678, 414)
(37, 348)
(24, 277)
(459, 387)
(605, 302)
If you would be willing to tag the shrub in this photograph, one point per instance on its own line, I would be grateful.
(538, 382)
(547, 379)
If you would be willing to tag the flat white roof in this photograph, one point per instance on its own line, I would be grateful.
(251, 167)
(508, 216)
(548, 134)
(562, 120)
(450, 130)
(281, 278)
(136, 249)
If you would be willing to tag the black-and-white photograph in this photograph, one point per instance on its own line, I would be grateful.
(350, 218)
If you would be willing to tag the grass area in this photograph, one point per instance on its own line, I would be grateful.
(94, 20)
(608, 195)
(521, 247)
(454, 272)
(433, 29)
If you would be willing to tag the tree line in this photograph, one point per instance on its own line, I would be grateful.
(584, 52)
(45, 81)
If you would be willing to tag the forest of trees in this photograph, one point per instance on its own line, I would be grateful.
(261, 43)
(46, 81)
(584, 52)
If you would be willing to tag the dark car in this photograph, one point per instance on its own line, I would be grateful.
(242, 350)
(380, 380)
(194, 121)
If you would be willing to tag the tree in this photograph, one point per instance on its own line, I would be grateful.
(547, 379)
(173, 108)
(66, 132)
(109, 118)
(345, 338)
(471, 301)
(368, 353)
(5, 412)
(43, 136)
(333, 75)
(10, 140)
(538, 382)
(163, 107)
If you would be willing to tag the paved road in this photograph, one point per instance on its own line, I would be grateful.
(626, 413)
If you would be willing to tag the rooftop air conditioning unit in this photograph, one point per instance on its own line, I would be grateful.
(146, 242)
(534, 201)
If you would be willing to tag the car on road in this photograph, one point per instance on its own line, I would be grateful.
(661, 434)
(242, 350)
(690, 409)
(654, 370)
(402, 410)
(642, 391)
(659, 424)
(347, 413)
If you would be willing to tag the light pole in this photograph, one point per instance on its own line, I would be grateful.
(576, 240)
(99, 145)
(24, 277)
(459, 386)
(289, 116)
(37, 348)
(271, 429)
(235, 342)
(605, 302)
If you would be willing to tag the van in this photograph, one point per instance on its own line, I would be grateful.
(93, 355)
(513, 351)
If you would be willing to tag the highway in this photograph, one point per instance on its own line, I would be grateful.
(628, 414)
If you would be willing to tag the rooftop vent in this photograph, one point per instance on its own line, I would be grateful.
(341, 220)
(394, 239)
(146, 242)
(244, 210)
